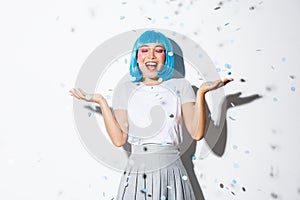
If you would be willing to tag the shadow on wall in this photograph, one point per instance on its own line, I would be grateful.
(214, 138)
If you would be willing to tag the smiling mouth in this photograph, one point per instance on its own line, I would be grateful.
(151, 66)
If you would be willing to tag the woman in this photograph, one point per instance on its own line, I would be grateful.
(154, 170)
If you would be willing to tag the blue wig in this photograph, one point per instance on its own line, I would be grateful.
(152, 37)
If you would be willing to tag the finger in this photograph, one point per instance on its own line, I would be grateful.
(227, 80)
(82, 92)
(74, 94)
(79, 93)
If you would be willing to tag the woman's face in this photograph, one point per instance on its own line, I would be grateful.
(151, 58)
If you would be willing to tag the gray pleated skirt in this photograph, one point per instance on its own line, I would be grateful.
(155, 172)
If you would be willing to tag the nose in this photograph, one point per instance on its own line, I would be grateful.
(151, 54)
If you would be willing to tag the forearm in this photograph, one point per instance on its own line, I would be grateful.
(199, 117)
(113, 129)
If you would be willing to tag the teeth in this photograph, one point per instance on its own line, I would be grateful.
(151, 64)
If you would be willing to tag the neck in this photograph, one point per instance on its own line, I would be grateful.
(150, 82)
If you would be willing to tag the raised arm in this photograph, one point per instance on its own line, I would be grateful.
(116, 125)
(194, 114)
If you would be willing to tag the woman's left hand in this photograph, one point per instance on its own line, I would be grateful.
(209, 86)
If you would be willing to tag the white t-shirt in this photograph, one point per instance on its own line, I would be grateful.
(154, 112)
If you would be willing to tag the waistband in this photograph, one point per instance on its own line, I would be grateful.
(155, 148)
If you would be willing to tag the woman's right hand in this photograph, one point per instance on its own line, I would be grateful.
(82, 95)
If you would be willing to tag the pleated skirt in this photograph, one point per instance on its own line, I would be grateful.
(155, 172)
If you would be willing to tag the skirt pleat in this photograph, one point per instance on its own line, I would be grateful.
(155, 174)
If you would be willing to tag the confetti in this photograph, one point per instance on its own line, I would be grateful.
(244, 189)
(170, 53)
(242, 80)
(251, 8)
(193, 157)
(169, 187)
(89, 114)
(217, 8)
(247, 152)
(221, 185)
(184, 178)
(228, 66)
(293, 89)
(292, 76)
(236, 165)
(60, 192)
(144, 190)
(171, 115)
(122, 17)
(233, 181)
(163, 197)
(234, 146)
(275, 196)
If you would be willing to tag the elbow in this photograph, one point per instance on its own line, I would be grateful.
(198, 138)
(119, 143)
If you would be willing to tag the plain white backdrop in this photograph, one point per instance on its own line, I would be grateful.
(43, 45)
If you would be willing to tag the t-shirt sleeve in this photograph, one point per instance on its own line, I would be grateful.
(187, 92)
(120, 97)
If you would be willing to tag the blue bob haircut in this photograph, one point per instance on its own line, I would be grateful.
(152, 37)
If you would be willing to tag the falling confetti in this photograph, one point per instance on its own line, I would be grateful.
(228, 66)
(169, 187)
(242, 80)
(221, 185)
(234, 146)
(89, 114)
(293, 89)
(244, 189)
(122, 17)
(163, 197)
(184, 178)
(144, 190)
(251, 8)
(292, 76)
(234, 181)
(236, 165)
(274, 195)
(217, 8)
(193, 157)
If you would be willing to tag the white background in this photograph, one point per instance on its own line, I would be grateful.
(44, 43)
